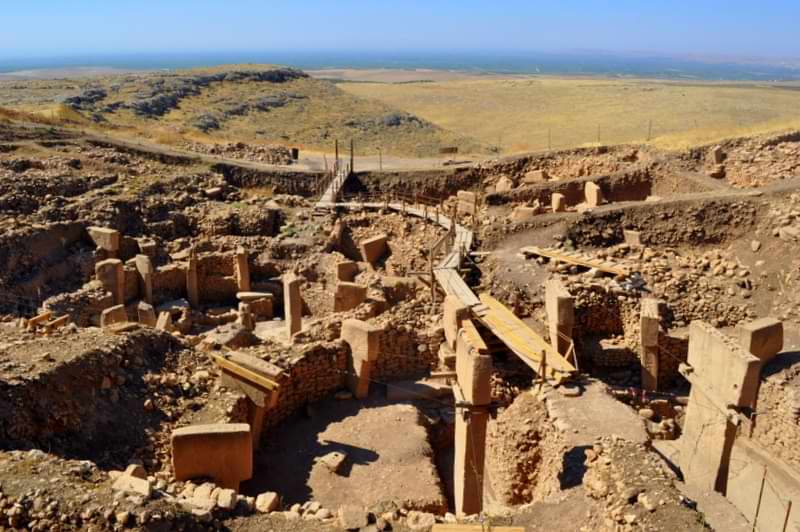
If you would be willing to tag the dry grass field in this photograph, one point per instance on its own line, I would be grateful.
(539, 113)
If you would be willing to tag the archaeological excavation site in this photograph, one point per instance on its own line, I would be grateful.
(597, 339)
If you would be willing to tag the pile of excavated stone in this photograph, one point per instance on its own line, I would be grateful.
(270, 154)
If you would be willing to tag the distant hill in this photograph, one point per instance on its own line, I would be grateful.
(247, 103)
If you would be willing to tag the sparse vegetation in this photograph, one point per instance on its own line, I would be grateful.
(532, 114)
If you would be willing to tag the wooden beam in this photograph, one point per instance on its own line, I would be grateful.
(575, 258)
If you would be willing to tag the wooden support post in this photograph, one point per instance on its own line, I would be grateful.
(352, 157)
(336, 165)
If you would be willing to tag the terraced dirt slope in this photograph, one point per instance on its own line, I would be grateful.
(234, 103)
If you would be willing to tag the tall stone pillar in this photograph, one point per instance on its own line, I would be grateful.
(292, 304)
(242, 270)
(111, 273)
(192, 282)
(473, 396)
(724, 378)
(364, 341)
(144, 267)
(650, 321)
(560, 308)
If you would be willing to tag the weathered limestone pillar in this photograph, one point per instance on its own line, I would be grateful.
(242, 270)
(558, 202)
(724, 378)
(292, 304)
(594, 195)
(111, 273)
(650, 322)
(364, 341)
(348, 296)
(192, 282)
(260, 398)
(144, 267)
(112, 315)
(473, 395)
(560, 307)
(454, 313)
(164, 322)
(223, 452)
(245, 317)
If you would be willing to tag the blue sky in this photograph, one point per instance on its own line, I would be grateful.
(65, 27)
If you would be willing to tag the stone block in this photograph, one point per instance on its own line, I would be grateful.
(164, 322)
(632, 238)
(524, 214)
(333, 461)
(558, 202)
(347, 271)
(133, 485)
(112, 315)
(454, 313)
(245, 317)
(504, 184)
(467, 196)
(373, 249)
(474, 372)
(192, 281)
(223, 452)
(594, 195)
(762, 338)
(267, 502)
(723, 366)
(535, 176)
(352, 517)
(105, 238)
(348, 296)
(363, 338)
(146, 314)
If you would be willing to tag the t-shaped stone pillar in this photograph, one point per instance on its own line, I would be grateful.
(111, 273)
(223, 452)
(560, 315)
(105, 239)
(242, 270)
(593, 193)
(650, 322)
(724, 378)
(144, 267)
(473, 395)
(364, 341)
(292, 304)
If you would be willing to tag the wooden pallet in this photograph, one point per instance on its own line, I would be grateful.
(576, 258)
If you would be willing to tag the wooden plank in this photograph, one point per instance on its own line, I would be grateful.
(522, 340)
(574, 258)
(475, 528)
(245, 373)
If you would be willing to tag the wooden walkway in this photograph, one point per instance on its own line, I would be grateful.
(518, 337)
